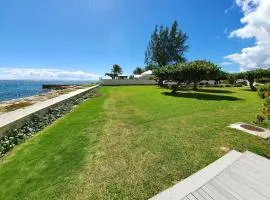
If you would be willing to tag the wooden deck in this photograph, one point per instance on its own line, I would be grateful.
(235, 176)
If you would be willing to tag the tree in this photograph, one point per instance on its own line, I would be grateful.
(221, 76)
(194, 71)
(150, 67)
(116, 69)
(167, 46)
(199, 70)
(171, 73)
(252, 75)
(138, 70)
(231, 77)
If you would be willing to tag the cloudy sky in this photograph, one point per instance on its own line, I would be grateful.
(82, 39)
(255, 25)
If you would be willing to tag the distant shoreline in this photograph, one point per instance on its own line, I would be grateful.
(11, 90)
(17, 103)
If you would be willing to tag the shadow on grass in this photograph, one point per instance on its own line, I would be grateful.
(202, 96)
(248, 89)
(214, 91)
(200, 90)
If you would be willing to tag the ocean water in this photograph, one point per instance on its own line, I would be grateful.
(14, 89)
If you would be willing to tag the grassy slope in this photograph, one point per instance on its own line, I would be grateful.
(42, 167)
(131, 143)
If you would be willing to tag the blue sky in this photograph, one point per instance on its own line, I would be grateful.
(92, 35)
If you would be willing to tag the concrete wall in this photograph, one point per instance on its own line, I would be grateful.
(110, 82)
(17, 118)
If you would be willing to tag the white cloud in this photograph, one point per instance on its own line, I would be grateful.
(228, 10)
(45, 74)
(256, 25)
(226, 63)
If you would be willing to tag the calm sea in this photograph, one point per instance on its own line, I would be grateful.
(13, 89)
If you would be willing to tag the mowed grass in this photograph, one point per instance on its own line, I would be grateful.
(130, 143)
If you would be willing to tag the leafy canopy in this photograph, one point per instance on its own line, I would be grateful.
(150, 66)
(252, 75)
(138, 70)
(116, 69)
(167, 46)
(193, 71)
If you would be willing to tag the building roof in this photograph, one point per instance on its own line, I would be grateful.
(146, 73)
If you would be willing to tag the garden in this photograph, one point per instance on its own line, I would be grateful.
(131, 142)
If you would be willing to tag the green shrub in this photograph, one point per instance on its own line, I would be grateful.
(228, 85)
(263, 80)
(261, 117)
(263, 91)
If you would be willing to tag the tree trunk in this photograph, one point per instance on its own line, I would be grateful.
(175, 87)
(160, 82)
(252, 87)
(195, 86)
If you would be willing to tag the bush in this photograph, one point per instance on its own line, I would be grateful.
(38, 122)
(260, 117)
(263, 91)
(263, 80)
(228, 85)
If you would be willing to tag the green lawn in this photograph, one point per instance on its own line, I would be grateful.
(130, 143)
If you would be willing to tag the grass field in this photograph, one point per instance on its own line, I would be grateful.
(130, 143)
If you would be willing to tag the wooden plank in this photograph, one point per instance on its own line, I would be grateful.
(191, 197)
(253, 173)
(209, 189)
(222, 187)
(223, 190)
(254, 168)
(245, 177)
(198, 196)
(248, 181)
(204, 194)
(255, 157)
(257, 162)
(197, 180)
(237, 187)
(258, 168)
(185, 198)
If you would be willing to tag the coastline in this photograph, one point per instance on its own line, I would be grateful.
(18, 103)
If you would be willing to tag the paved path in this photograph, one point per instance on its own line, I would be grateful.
(235, 176)
(11, 117)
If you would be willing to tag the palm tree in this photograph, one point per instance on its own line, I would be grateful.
(116, 69)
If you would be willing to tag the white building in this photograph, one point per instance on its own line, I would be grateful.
(144, 76)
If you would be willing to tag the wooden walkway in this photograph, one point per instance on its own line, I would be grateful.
(235, 176)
